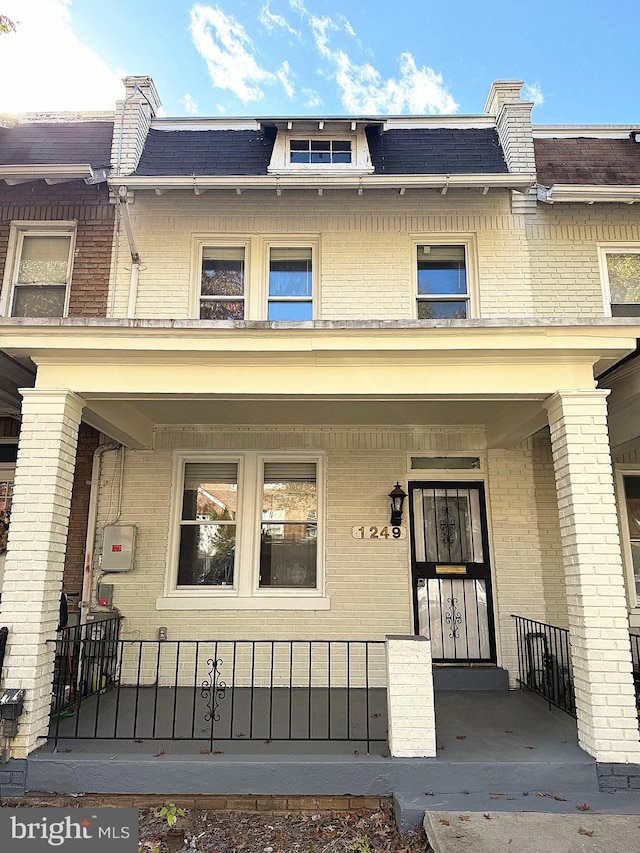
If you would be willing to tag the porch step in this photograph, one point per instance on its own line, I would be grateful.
(411, 809)
(470, 678)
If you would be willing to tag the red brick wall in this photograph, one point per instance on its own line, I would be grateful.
(89, 207)
(88, 440)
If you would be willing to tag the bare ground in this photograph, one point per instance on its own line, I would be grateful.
(205, 830)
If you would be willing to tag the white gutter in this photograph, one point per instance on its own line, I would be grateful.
(133, 290)
(589, 193)
(521, 182)
(51, 174)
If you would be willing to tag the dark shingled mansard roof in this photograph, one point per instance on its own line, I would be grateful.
(57, 143)
(206, 152)
(584, 160)
(438, 151)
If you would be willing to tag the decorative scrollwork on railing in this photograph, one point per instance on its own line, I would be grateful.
(213, 689)
(453, 618)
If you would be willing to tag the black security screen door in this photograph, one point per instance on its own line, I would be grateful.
(451, 572)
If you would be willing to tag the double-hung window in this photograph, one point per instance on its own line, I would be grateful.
(247, 530)
(620, 266)
(290, 294)
(222, 283)
(38, 271)
(242, 277)
(442, 282)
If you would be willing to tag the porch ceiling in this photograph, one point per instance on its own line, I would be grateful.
(132, 421)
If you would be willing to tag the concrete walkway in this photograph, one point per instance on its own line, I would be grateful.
(518, 832)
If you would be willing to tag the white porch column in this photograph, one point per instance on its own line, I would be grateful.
(36, 551)
(410, 706)
(597, 607)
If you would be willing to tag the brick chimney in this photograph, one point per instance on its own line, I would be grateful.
(513, 123)
(132, 122)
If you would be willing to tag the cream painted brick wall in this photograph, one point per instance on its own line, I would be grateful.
(366, 249)
(368, 582)
(564, 258)
(527, 554)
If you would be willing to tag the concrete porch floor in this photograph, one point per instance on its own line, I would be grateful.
(493, 741)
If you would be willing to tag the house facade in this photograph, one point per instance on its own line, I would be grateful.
(301, 316)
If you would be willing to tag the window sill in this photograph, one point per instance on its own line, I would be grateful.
(235, 602)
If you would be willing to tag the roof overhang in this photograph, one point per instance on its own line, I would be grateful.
(344, 181)
(589, 194)
(56, 174)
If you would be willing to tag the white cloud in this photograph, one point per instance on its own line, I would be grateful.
(48, 67)
(533, 93)
(228, 51)
(284, 76)
(364, 90)
(190, 104)
(271, 21)
(314, 99)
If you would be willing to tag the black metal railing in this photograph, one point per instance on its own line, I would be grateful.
(635, 657)
(223, 690)
(544, 662)
(4, 633)
(86, 661)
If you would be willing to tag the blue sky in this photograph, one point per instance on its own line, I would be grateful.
(578, 58)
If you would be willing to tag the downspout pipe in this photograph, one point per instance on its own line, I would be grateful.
(92, 520)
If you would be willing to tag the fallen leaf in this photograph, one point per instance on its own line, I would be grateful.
(375, 716)
(461, 737)
(239, 734)
(508, 731)
(444, 822)
(588, 832)
(161, 752)
(584, 808)
(487, 817)
(138, 740)
(495, 796)
(441, 746)
(204, 752)
(465, 792)
(530, 747)
(464, 817)
(430, 793)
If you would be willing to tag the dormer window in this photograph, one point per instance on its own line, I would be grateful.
(320, 151)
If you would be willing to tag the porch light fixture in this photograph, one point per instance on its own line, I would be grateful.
(397, 495)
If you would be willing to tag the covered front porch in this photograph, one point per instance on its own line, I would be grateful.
(309, 411)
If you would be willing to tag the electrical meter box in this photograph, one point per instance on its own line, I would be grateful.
(118, 547)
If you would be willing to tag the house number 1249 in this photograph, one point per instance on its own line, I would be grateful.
(376, 532)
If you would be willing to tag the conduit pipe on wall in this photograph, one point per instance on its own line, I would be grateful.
(92, 520)
(133, 290)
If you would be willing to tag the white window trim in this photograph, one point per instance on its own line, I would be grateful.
(614, 248)
(256, 270)
(622, 471)
(34, 228)
(245, 593)
(471, 265)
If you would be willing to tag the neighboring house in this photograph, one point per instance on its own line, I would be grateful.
(300, 314)
(56, 236)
